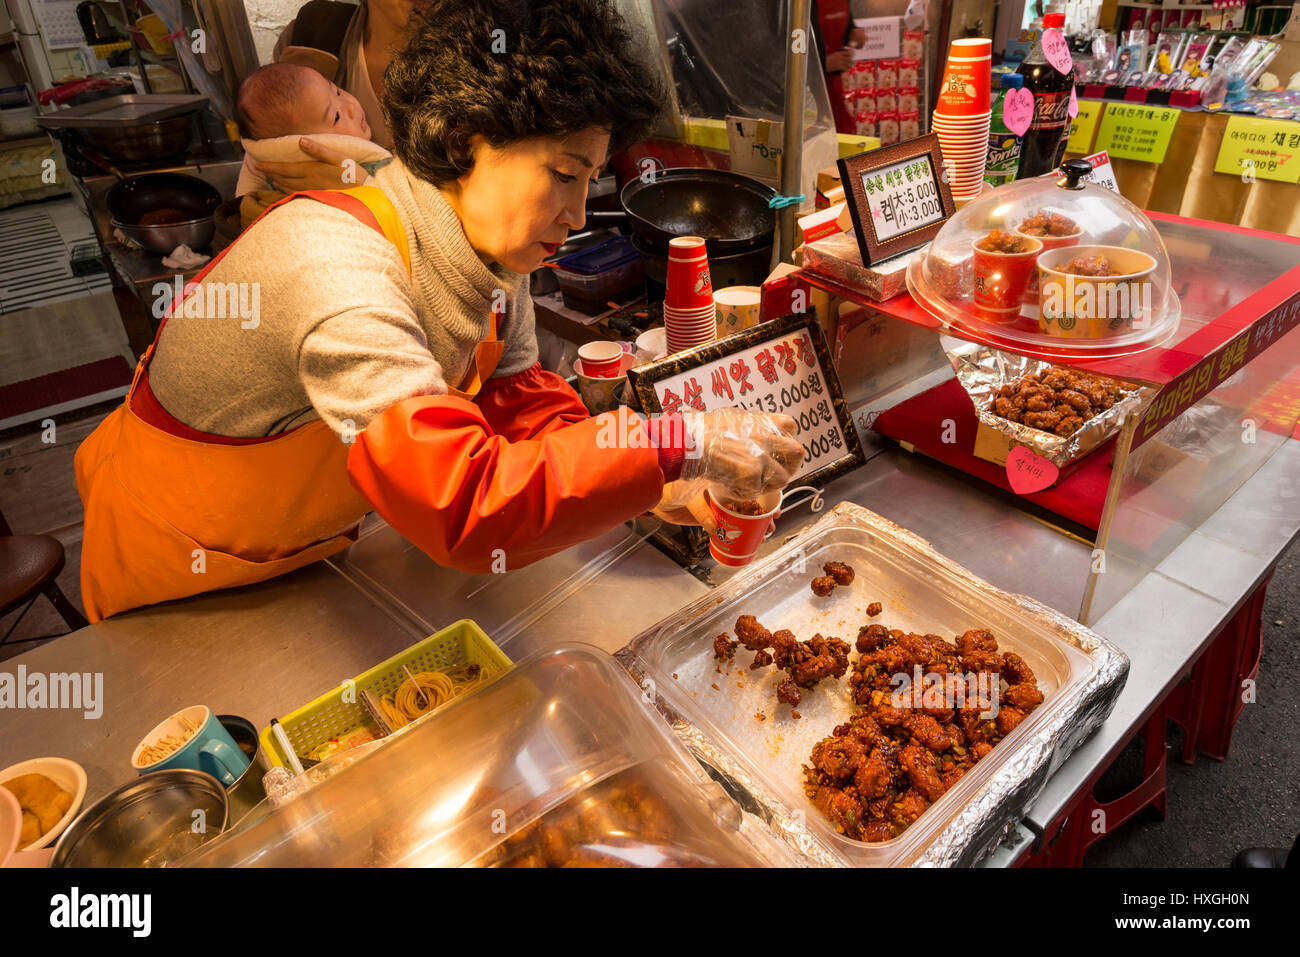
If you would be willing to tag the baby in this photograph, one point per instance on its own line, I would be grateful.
(279, 104)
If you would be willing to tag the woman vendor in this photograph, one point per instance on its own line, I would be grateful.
(383, 355)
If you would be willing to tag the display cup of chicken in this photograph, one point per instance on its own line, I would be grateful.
(1054, 231)
(1004, 261)
(1094, 292)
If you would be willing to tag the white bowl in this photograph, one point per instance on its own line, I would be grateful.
(66, 774)
(11, 825)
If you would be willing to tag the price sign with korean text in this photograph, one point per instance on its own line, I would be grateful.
(898, 197)
(1264, 149)
(1083, 126)
(884, 38)
(777, 366)
(1136, 131)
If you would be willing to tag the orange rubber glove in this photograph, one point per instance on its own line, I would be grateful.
(437, 471)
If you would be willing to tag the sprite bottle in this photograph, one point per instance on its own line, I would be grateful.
(1004, 146)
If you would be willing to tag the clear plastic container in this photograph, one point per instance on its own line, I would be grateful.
(591, 278)
(1079, 674)
(1052, 268)
(563, 737)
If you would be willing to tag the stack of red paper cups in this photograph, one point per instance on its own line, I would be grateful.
(689, 317)
(961, 115)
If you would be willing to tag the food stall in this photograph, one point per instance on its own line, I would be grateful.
(595, 707)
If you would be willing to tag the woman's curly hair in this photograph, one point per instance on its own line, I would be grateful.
(567, 65)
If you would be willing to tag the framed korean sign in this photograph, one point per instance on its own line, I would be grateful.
(777, 366)
(898, 197)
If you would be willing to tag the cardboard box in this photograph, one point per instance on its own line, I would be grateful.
(828, 179)
(851, 144)
(825, 222)
(991, 445)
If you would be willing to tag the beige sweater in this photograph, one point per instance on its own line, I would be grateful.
(324, 323)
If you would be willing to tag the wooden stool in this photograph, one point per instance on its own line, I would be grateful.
(29, 567)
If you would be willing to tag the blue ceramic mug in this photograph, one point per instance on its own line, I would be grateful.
(207, 746)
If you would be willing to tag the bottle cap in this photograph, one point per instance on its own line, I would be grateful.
(1053, 20)
(1012, 81)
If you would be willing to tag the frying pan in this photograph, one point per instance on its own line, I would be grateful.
(129, 200)
(729, 210)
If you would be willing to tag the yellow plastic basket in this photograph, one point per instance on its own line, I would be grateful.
(329, 716)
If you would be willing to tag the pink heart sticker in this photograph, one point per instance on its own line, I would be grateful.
(1018, 110)
(1073, 108)
(1029, 473)
(1057, 51)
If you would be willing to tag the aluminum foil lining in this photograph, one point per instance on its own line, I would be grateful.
(982, 371)
(976, 828)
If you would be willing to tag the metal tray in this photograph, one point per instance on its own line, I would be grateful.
(130, 109)
(1080, 673)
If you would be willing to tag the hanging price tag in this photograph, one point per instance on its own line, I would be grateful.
(1018, 110)
(1057, 51)
(1029, 473)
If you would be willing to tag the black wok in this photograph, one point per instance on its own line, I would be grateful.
(729, 210)
(192, 200)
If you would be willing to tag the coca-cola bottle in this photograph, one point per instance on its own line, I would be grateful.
(1044, 141)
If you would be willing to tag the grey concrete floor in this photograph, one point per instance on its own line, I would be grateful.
(1253, 798)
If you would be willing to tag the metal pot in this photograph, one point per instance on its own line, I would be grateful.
(147, 823)
(142, 142)
(129, 201)
(729, 210)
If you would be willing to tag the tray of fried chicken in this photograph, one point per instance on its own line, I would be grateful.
(880, 704)
(1059, 413)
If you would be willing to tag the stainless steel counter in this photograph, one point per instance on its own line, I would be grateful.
(264, 650)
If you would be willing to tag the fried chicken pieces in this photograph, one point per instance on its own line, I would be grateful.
(1057, 400)
(879, 771)
(806, 662)
(837, 573)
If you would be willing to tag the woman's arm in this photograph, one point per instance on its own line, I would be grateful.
(436, 471)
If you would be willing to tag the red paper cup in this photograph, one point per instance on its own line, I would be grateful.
(1001, 280)
(689, 286)
(971, 47)
(737, 538)
(967, 119)
(600, 360)
(964, 89)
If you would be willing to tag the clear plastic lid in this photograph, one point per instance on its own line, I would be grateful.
(556, 762)
(1054, 268)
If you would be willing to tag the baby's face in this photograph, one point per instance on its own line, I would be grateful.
(324, 108)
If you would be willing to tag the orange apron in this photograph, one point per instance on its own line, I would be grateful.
(167, 516)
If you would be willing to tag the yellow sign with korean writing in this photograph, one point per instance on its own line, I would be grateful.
(1137, 131)
(1083, 126)
(1264, 149)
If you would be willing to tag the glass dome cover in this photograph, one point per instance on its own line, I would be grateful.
(1053, 268)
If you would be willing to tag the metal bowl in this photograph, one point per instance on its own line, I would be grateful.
(147, 823)
(130, 200)
(142, 142)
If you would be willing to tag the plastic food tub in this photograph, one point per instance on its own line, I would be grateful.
(591, 278)
(714, 707)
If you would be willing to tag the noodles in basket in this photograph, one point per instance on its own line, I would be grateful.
(416, 697)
